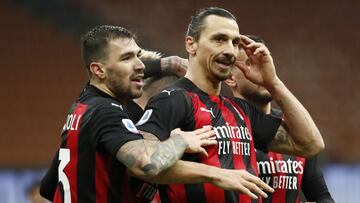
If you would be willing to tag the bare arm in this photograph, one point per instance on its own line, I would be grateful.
(146, 158)
(192, 172)
(299, 136)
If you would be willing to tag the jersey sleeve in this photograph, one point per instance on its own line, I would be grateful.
(165, 112)
(313, 183)
(264, 127)
(113, 127)
(49, 181)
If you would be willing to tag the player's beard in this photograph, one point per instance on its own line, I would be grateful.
(258, 97)
(124, 92)
(219, 74)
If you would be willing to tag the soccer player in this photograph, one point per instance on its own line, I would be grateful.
(100, 145)
(212, 42)
(287, 174)
(99, 141)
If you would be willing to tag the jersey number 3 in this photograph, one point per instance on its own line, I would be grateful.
(64, 158)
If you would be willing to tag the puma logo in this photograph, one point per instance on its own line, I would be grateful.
(168, 91)
(207, 110)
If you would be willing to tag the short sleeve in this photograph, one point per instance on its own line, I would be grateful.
(264, 126)
(165, 112)
(113, 127)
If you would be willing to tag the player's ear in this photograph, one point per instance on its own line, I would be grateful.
(97, 69)
(191, 45)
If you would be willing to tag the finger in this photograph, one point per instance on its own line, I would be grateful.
(203, 152)
(254, 45)
(246, 191)
(245, 69)
(207, 135)
(263, 50)
(208, 142)
(254, 188)
(239, 64)
(260, 183)
(202, 130)
(245, 40)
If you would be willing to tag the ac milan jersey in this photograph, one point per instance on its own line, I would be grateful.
(288, 175)
(283, 173)
(239, 127)
(96, 127)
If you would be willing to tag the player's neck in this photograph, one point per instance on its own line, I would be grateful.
(202, 80)
(142, 101)
(102, 87)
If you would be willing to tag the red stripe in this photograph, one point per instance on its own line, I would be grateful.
(102, 183)
(125, 190)
(57, 197)
(72, 144)
(176, 193)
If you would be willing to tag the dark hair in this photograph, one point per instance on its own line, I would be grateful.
(256, 38)
(95, 42)
(197, 21)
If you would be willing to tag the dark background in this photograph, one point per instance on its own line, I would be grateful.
(315, 45)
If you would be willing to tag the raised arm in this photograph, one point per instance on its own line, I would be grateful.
(298, 135)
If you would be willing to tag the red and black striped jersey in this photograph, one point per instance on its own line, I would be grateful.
(283, 173)
(239, 128)
(288, 175)
(96, 127)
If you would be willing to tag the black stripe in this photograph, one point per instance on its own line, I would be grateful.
(86, 169)
(191, 189)
(116, 177)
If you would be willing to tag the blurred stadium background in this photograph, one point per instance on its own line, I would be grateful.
(314, 44)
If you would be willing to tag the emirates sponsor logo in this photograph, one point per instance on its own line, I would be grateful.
(233, 139)
(281, 174)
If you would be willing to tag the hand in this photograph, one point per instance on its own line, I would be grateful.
(175, 64)
(197, 139)
(260, 68)
(241, 181)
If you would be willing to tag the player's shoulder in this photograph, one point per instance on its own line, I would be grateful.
(170, 93)
(106, 104)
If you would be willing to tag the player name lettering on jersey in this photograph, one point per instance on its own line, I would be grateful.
(72, 122)
(240, 139)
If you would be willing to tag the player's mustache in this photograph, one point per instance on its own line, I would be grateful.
(228, 59)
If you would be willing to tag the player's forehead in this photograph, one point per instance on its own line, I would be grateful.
(214, 25)
(124, 45)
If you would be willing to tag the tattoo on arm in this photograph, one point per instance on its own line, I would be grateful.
(151, 156)
(282, 135)
(282, 141)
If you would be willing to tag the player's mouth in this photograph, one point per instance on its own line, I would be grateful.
(225, 62)
(138, 80)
